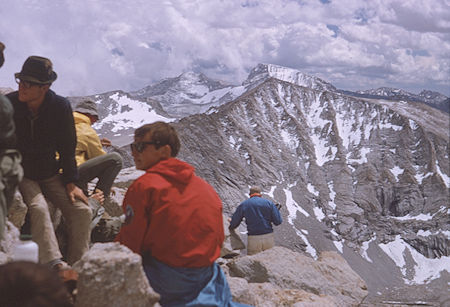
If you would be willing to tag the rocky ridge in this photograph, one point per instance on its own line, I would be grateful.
(431, 98)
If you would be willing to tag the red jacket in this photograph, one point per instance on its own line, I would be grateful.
(173, 215)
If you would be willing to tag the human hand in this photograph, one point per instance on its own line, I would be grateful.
(105, 142)
(99, 196)
(278, 205)
(75, 193)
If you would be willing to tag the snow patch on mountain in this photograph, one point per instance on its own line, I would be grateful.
(364, 247)
(293, 208)
(129, 113)
(425, 269)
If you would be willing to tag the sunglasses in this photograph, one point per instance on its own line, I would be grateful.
(140, 146)
(27, 84)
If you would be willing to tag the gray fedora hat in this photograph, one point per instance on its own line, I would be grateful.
(37, 69)
(87, 107)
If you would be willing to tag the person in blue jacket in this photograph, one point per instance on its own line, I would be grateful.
(259, 214)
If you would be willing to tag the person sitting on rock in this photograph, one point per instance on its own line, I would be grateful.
(259, 214)
(92, 160)
(174, 221)
(45, 126)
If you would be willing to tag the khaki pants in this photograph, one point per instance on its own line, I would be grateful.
(77, 217)
(259, 243)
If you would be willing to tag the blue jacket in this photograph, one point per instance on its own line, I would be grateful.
(41, 137)
(259, 214)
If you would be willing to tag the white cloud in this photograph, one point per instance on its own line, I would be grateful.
(100, 45)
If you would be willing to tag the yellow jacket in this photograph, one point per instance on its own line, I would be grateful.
(88, 142)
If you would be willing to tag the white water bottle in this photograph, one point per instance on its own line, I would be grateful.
(25, 250)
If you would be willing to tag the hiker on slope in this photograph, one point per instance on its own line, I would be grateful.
(259, 214)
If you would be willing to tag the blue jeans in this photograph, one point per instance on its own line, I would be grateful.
(206, 286)
(104, 167)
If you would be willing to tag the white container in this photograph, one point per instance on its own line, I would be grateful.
(25, 250)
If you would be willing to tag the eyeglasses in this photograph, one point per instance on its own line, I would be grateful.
(27, 84)
(140, 146)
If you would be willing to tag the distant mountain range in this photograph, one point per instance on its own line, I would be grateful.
(433, 99)
(366, 174)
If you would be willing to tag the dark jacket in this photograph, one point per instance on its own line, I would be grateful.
(259, 214)
(41, 137)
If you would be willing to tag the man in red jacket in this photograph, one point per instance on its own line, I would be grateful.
(174, 220)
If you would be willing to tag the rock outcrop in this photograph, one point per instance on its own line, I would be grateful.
(11, 236)
(284, 272)
(111, 275)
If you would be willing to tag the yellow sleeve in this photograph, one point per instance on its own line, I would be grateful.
(88, 142)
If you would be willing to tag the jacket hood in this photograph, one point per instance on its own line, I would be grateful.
(81, 118)
(173, 169)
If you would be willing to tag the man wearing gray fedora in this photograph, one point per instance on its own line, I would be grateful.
(45, 129)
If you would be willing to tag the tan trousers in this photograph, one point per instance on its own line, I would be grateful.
(259, 243)
(77, 217)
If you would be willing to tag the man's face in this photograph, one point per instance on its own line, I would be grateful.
(148, 155)
(31, 91)
(92, 118)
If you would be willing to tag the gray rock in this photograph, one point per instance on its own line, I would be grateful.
(11, 236)
(330, 275)
(110, 274)
(268, 295)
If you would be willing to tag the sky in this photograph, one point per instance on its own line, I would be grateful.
(104, 45)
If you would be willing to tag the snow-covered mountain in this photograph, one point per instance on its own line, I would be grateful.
(120, 114)
(263, 72)
(434, 99)
(366, 177)
(189, 93)
(193, 93)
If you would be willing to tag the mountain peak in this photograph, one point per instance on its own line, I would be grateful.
(264, 71)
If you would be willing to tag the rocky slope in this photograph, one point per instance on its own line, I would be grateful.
(368, 178)
(433, 99)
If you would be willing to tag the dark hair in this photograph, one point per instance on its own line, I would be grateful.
(28, 284)
(162, 133)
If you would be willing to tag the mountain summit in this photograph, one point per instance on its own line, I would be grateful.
(263, 72)
(189, 93)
